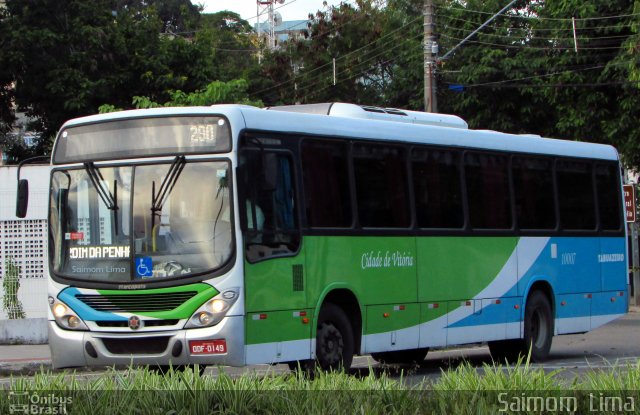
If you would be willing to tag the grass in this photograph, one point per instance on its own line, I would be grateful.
(463, 390)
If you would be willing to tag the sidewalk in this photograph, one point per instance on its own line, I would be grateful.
(24, 359)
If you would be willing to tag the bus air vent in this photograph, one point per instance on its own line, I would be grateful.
(298, 277)
(145, 345)
(136, 303)
(146, 323)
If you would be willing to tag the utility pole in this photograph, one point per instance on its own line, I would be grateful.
(430, 52)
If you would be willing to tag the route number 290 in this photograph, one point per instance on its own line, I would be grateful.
(203, 133)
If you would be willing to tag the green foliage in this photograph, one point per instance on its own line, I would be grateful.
(10, 285)
(230, 43)
(64, 60)
(522, 73)
(519, 74)
(217, 92)
(462, 390)
(302, 71)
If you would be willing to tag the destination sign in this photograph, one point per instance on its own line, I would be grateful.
(143, 137)
(99, 252)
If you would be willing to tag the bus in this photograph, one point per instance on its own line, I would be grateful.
(234, 235)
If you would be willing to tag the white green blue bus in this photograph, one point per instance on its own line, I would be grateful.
(233, 235)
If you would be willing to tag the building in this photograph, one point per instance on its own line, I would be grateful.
(285, 31)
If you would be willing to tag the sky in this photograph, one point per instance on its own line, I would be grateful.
(290, 9)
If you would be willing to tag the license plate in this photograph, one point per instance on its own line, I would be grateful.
(208, 346)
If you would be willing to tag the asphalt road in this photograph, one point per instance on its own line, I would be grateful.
(617, 343)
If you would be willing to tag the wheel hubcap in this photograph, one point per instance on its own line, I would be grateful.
(330, 345)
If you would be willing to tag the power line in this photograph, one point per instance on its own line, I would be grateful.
(546, 75)
(318, 79)
(513, 16)
(569, 85)
(527, 46)
(538, 29)
(340, 57)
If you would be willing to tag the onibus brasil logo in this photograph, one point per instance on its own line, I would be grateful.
(34, 403)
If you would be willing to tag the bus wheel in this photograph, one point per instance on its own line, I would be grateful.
(538, 327)
(334, 339)
(401, 357)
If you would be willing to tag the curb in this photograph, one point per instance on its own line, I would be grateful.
(24, 367)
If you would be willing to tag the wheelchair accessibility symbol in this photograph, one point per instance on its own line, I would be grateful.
(144, 266)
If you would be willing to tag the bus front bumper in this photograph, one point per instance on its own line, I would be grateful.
(160, 348)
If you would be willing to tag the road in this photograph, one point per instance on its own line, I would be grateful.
(615, 343)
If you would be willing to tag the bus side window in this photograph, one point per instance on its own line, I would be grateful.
(268, 213)
(381, 186)
(576, 195)
(487, 180)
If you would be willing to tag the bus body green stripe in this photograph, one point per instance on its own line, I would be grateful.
(184, 311)
(383, 273)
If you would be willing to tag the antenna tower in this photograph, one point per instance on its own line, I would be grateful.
(273, 19)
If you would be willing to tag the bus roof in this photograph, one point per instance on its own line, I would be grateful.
(244, 117)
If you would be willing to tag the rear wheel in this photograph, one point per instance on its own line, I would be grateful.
(401, 357)
(538, 333)
(538, 327)
(334, 339)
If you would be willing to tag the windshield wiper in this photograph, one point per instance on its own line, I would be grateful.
(109, 200)
(158, 200)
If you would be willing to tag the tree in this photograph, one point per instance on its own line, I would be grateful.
(67, 58)
(231, 44)
(177, 16)
(352, 35)
(522, 73)
(217, 92)
(7, 116)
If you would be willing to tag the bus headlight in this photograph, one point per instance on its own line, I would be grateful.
(65, 316)
(214, 310)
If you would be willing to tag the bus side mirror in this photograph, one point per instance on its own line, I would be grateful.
(22, 201)
(269, 172)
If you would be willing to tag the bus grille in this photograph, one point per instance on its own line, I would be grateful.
(146, 323)
(136, 303)
(147, 345)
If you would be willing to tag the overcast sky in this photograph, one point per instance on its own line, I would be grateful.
(290, 9)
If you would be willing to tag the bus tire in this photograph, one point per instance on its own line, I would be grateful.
(401, 357)
(538, 327)
(538, 334)
(334, 339)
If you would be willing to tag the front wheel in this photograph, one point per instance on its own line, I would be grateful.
(334, 339)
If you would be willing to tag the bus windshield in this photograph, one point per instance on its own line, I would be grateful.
(148, 222)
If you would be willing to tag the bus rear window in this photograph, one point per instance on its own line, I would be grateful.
(608, 184)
